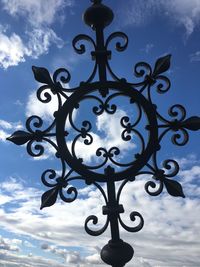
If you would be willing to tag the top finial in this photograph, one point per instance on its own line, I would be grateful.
(98, 15)
(96, 1)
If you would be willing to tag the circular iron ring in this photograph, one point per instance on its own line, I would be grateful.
(71, 103)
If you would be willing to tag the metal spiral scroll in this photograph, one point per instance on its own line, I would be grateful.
(110, 170)
(133, 214)
(120, 47)
(162, 177)
(181, 136)
(84, 130)
(94, 219)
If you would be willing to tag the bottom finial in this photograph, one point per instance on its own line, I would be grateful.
(117, 254)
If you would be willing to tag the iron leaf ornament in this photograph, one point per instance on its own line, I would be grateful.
(173, 188)
(42, 75)
(19, 137)
(104, 89)
(193, 123)
(161, 65)
(49, 197)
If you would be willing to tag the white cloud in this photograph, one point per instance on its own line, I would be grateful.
(3, 135)
(137, 12)
(7, 127)
(186, 13)
(184, 162)
(40, 41)
(11, 185)
(183, 12)
(40, 12)
(73, 258)
(28, 244)
(9, 259)
(10, 126)
(40, 15)
(108, 135)
(111, 127)
(195, 56)
(55, 250)
(12, 50)
(7, 244)
(4, 199)
(43, 110)
(94, 259)
(192, 175)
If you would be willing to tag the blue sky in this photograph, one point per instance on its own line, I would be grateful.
(40, 33)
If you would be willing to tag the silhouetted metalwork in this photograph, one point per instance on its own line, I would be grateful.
(107, 169)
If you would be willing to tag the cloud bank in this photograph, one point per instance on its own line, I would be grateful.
(170, 236)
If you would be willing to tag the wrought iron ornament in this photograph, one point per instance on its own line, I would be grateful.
(107, 169)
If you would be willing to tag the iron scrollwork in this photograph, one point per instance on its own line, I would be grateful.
(148, 127)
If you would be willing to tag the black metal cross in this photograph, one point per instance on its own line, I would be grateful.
(107, 169)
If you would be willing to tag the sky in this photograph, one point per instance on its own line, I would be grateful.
(40, 33)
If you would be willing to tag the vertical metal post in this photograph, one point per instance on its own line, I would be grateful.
(113, 211)
(116, 253)
(100, 54)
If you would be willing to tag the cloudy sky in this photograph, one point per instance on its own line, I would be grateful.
(40, 33)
